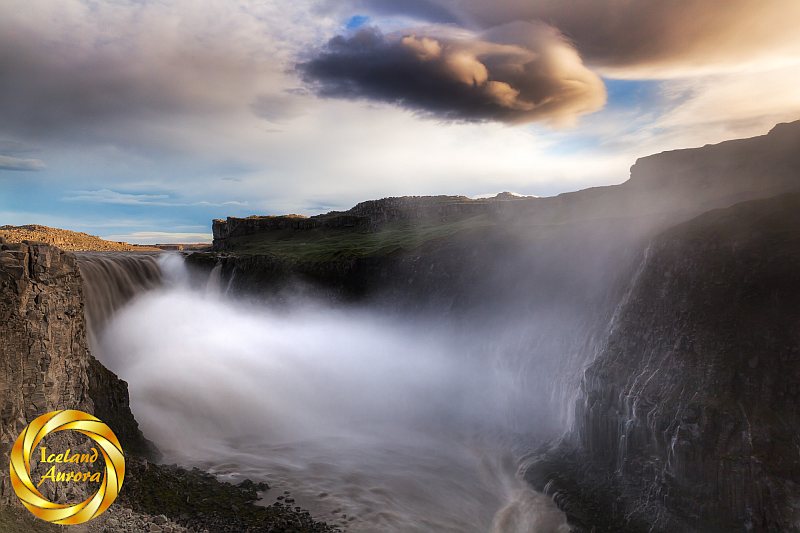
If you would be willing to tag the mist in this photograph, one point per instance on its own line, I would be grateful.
(377, 420)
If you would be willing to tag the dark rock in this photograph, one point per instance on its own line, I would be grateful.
(44, 352)
(680, 426)
(198, 501)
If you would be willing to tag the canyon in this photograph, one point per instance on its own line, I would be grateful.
(663, 311)
(47, 365)
(634, 347)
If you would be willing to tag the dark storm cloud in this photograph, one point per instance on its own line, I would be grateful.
(641, 33)
(516, 73)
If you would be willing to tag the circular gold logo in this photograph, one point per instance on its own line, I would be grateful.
(93, 428)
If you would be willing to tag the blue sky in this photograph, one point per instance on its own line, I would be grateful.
(145, 121)
(356, 21)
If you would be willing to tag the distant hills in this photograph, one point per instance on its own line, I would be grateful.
(663, 189)
(73, 241)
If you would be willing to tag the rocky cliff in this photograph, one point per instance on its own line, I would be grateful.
(688, 418)
(46, 364)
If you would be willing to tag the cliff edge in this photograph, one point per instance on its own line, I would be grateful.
(45, 358)
(45, 365)
(688, 418)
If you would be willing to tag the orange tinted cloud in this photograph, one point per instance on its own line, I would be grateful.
(520, 72)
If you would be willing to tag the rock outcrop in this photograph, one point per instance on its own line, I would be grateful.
(232, 227)
(689, 417)
(46, 364)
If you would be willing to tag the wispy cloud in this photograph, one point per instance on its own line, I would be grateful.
(107, 196)
(19, 164)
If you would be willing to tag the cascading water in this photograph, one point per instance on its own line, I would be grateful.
(376, 423)
(112, 280)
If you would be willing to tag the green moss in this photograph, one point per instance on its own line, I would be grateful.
(325, 244)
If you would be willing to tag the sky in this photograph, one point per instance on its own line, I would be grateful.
(144, 120)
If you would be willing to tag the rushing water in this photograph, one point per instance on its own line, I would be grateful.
(373, 422)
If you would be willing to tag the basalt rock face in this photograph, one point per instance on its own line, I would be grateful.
(46, 363)
(112, 405)
(43, 351)
(476, 269)
(689, 417)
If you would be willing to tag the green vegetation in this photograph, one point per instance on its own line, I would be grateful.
(324, 244)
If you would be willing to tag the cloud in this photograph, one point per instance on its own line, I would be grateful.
(140, 74)
(638, 37)
(714, 108)
(16, 163)
(517, 73)
(164, 111)
(107, 196)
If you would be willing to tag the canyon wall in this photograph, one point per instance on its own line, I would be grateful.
(688, 418)
(45, 358)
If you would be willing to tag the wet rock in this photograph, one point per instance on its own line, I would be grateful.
(197, 501)
(697, 436)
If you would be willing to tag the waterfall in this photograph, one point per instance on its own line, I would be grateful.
(376, 422)
(111, 280)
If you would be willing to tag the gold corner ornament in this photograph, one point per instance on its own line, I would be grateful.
(20, 467)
